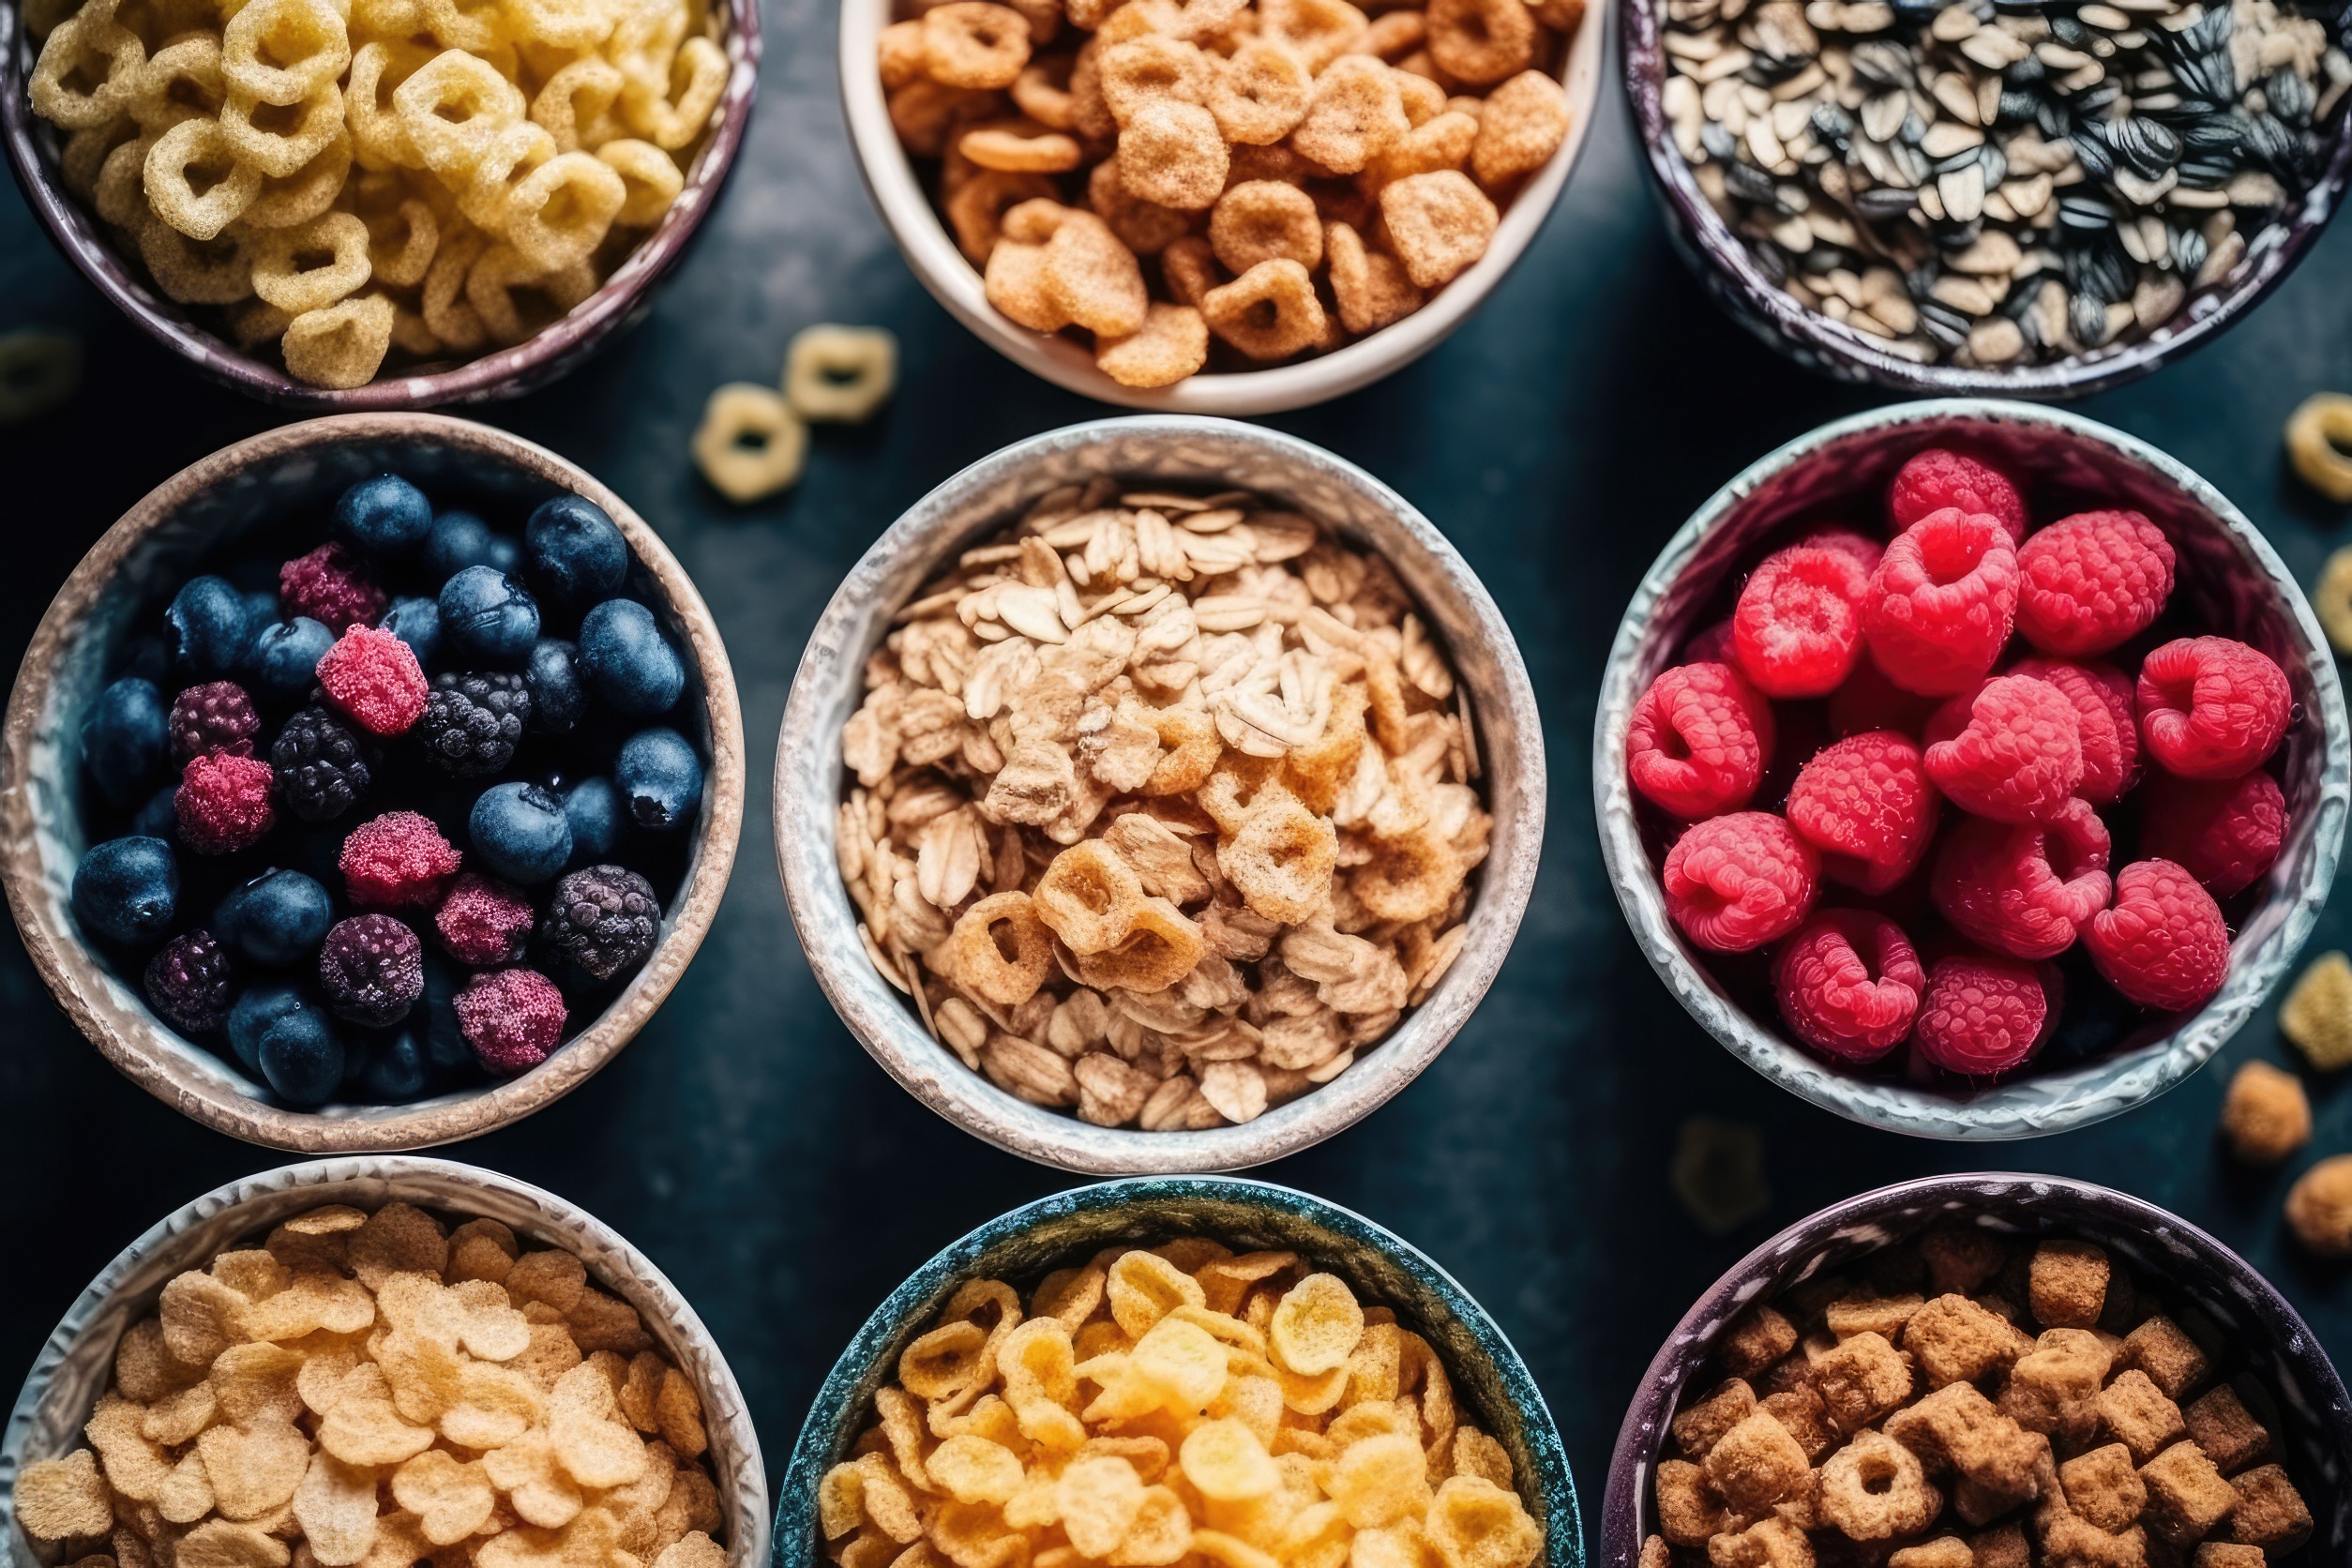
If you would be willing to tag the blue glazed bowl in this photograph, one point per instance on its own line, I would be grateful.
(1492, 1384)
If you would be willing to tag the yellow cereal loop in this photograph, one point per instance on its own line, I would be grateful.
(181, 81)
(400, 248)
(284, 51)
(671, 119)
(88, 71)
(193, 272)
(476, 26)
(194, 153)
(508, 156)
(650, 180)
(310, 266)
(303, 195)
(38, 370)
(451, 107)
(751, 446)
(120, 194)
(575, 106)
(1317, 1325)
(840, 374)
(278, 139)
(2314, 431)
(491, 286)
(559, 23)
(442, 304)
(560, 212)
(377, 70)
(85, 153)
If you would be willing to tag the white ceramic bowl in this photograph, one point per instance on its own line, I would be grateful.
(932, 251)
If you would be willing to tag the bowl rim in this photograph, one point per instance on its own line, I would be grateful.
(165, 1070)
(1620, 1503)
(2097, 1090)
(936, 262)
(543, 358)
(882, 1020)
(744, 1492)
(1724, 261)
(1557, 1484)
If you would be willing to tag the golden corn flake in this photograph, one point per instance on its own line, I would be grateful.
(63, 1499)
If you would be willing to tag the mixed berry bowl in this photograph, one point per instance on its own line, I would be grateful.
(1971, 770)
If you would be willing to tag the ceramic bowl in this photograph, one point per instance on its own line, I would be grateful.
(2230, 580)
(1020, 1247)
(2273, 1342)
(988, 496)
(1726, 267)
(132, 572)
(930, 251)
(76, 1365)
(563, 346)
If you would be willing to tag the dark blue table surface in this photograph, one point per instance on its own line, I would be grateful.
(750, 1147)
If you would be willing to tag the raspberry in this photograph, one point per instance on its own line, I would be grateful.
(1711, 646)
(474, 722)
(1868, 701)
(2211, 708)
(1939, 478)
(1866, 804)
(190, 984)
(321, 768)
(604, 919)
(372, 969)
(397, 858)
(1848, 984)
(2102, 696)
(1698, 740)
(374, 677)
(1940, 605)
(483, 922)
(1796, 631)
(2163, 945)
(2225, 831)
(1735, 882)
(2091, 581)
(2027, 889)
(1983, 1013)
(216, 716)
(331, 587)
(511, 1017)
(1865, 551)
(222, 803)
(2010, 750)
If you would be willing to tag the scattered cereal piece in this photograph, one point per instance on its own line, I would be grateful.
(2331, 599)
(38, 370)
(840, 374)
(2313, 433)
(2265, 1116)
(2316, 1015)
(2319, 1207)
(751, 444)
(1718, 1173)
(64, 1499)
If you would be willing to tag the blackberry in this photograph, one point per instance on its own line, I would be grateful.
(604, 919)
(216, 716)
(190, 983)
(472, 722)
(323, 770)
(372, 968)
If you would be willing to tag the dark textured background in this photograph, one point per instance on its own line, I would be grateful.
(749, 1146)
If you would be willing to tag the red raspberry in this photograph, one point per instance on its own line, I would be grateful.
(1866, 804)
(2163, 945)
(1940, 605)
(1848, 984)
(2211, 708)
(332, 587)
(1711, 646)
(1939, 478)
(1867, 552)
(222, 802)
(397, 858)
(2025, 889)
(1983, 1013)
(1698, 740)
(2010, 750)
(216, 716)
(1868, 701)
(2101, 695)
(2226, 832)
(512, 1019)
(2091, 581)
(1796, 630)
(1735, 882)
(483, 922)
(374, 678)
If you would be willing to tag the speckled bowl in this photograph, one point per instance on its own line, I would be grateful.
(987, 496)
(132, 571)
(2234, 583)
(1019, 1247)
(76, 1365)
(621, 300)
(2278, 1346)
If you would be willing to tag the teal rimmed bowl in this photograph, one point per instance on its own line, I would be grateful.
(1019, 1247)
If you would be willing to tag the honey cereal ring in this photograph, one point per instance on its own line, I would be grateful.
(1237, 785)
(1170, 152)
(1031, 151)
(565, 24)
(1189, 268)
(508, 156)
(1260, 92)
(1260, 221)
(85, 153)
(1269, 312)
(671, 119)
(1409, 877)
(750, 443)
(650, 180)
(1423, 99)
(1876, 1489)
(284, 51)
(1152, 68)
(1439, 222)
(1318, 771)
(1162, 946)
(560, 212)
(1042, 92)
(340, 346)
(575, 106)
(1479, 42)
(1191, 746)
(1475, 1523)
(476, 26)
(450, 108)
(38, 370)
(1443, 142)
(898, 54)
(840, 374)
(278, 140)
(1088, 896)
(1370, 286)
(1172, 343)
(1524, 123)
(417, 232)
(978, 957)
(1014, 283)
(2313, 430)
(1356, 113)
(1090, 112)
(312, 266)
(181, 81)
(1282, 859)
(410, 334)
(974, 43)
(1143, 227)
(926, 113)
(1320, 30)
(1393, 35)
(977, 208)
(89, 47)
(193, 272)
(285, 201)
(497, 275)
(446, 315)
(1091, 278)
(190, 151)
(377, 70)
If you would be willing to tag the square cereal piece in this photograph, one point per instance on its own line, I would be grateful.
(1789, 1372)
(1688, 1513)
(2186, 1495)
(1956, 1341)
(1772, 1543)
(1861, 1379)
(2270, 1513)
(2053, 1389)
(1756, 1464)
(1957, 1426)
(2070, 1541)
(2228, 1554)
(2068, 1281)
(1696, 1429)
(2004, 1547)
(1848, 1315)
(1655, 1553)
(1945, 1551)
(2125, 1307)
(2220, 1424)
(2163, 1349)
(2134, 1412)
(2102, 1487)
(1753, 1340)
(1804, 1303)
(1800, 1409)
(1960, 1258)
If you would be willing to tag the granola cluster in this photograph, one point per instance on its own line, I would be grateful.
(1163, 806)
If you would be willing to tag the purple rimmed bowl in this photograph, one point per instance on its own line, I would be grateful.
(2279, 1348)
(557, 349)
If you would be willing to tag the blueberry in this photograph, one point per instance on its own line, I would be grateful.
(558, 699)
(659, 777)
(520, 832)
(286, 658)
(261, 610)
(627, 662)
(161, 817)
(393, 1069)
(577, 556)
(126, 739)
(277, 919)
(209, 629)
(489, 615)
(415, 621)
(446, 1052)
(148, 660)
(128, 889)
(461, 539)
(384, 516)
(302, 1058)
(252, 1014)
(593, 807)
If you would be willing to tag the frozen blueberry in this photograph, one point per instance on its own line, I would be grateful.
(126, 739)
(520, 832)
(128, 889)
(577, 556)
(627, 661)
(302, 1057)
(275, 920)
(384, 516)
(489, 615)
(392, 1069)
(593, 807)
(659, 777)
(286, 657)
(557, 697)
(209, 629)
(161, 817)
(261, 609)
(252, 1014)
(461, 539)
(448, 1053)
(415, 621)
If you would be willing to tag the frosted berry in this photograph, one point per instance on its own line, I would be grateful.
(483, 922)
(323, 769)
(2025, 889)
(2092, 581)
(215, 717)
(1735, 882)
(2162, 944)
(1866, 804)
(224, 803)
(2225, 831)
(190, 984)
(1848, 984)
(2110, 735)
(1698, 740)
(1868, 701)
(512, 1017)
(372, 969)
(604, 919)
(2010, 750)
(1940, 605)
(2211, 707)
(1938, 478)
(397, 858)
(1796, 631)
(1983, 1013)
(332, 586)
(373, 678)
(472, 722)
